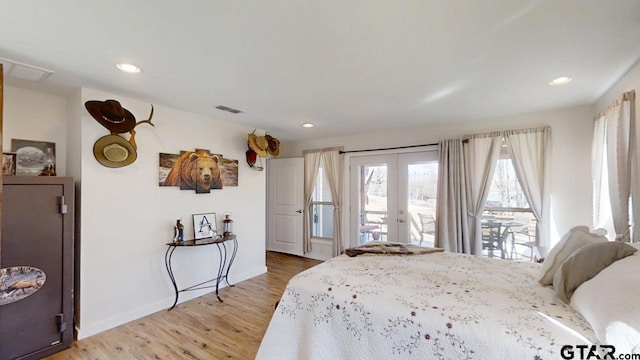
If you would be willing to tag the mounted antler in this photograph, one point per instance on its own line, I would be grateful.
(132, 139)
(148, 121)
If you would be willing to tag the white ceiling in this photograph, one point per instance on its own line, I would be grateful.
(349, 66)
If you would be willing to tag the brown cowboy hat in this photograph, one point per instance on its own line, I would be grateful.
(259, 144)
(111, 115)
(114, 151)
(274, 145)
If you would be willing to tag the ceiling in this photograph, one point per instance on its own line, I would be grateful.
(347, 66)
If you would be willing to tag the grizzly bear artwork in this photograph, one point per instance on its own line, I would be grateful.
(196, 170)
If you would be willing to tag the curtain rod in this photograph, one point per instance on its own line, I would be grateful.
(464, 141)
(389, 148)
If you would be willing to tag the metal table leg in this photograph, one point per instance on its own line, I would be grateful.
(223, 259)
(233, 257)
(167, 263)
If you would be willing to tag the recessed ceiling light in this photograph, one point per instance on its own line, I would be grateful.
(560, 81)
(128, 68)
(307, 125)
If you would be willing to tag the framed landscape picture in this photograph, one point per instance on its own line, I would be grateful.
(30, 155)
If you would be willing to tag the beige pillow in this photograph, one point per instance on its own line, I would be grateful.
(572, 240)
(585, 263)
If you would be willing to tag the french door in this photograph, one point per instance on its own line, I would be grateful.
(393, 197)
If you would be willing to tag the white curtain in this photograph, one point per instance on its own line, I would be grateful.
(333, 166)
(597, 168)
(311, 166)
(530, 155)
(452, 230)
(617, 151)
(601, 205)
(619, 163)
(635, 165)
(480, 158)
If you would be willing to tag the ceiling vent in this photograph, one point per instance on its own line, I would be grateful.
(228, 109)
(24, 71)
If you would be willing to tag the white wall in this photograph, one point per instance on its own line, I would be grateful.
(629, 81)
(36, 116)
(571, 151)
(125, 218)
(74, 136)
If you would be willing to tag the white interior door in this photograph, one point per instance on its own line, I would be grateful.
(389, 193)
(285, 182)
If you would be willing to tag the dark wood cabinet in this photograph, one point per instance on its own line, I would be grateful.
(37, 231)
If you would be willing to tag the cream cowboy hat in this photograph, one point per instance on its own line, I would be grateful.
(114, 151)
(259, 144)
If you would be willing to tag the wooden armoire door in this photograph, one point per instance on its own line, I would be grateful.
(36, 232)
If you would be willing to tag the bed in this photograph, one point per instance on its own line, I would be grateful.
(428, 306)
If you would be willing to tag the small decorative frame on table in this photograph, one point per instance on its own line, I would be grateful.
(8, 163)
(204, 226)
(31, 155)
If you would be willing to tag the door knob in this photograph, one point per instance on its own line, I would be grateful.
(400, 220)
(299, 211)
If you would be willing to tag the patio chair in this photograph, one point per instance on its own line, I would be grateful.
(492, 237)
(367, 228)
(427, 226)
(524, 237)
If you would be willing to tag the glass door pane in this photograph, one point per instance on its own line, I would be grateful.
(373, 202)
(417, 190)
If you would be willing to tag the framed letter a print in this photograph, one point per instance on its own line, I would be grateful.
(204, 225)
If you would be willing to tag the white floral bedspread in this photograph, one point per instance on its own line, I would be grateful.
(433, 306)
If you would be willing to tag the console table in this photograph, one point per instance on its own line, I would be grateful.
(223, 269)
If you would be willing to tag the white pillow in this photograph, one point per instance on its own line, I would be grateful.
(610, 302)
(576, 237)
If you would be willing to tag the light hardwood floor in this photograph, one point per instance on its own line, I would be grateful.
(202, 328)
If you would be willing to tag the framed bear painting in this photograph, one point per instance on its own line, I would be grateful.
(198, 170)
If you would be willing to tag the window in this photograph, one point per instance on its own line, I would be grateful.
(506, 192)
(321, 208)
(507, 209)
